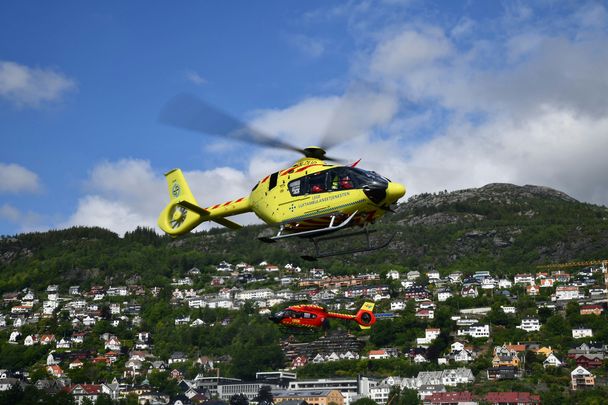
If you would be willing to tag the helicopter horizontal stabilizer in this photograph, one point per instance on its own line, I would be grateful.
(203, 212)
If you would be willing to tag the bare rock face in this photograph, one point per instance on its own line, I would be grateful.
(11, 249)
(499, 193)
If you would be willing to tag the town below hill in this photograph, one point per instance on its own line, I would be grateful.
(490, 295)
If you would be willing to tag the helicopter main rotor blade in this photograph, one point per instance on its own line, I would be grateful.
(189, 112)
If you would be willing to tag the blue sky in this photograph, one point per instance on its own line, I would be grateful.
(438, 95)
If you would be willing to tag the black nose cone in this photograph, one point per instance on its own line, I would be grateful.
(376, 192)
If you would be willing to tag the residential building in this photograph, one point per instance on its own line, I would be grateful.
(510, 398)
(579, 333)
(591, 309)
(450, 398)
(552, 361)
(529, 324)
(475, 331)
(581, 378)
(430, 334)
(82, 392)
(502, 373)
(444, 294)
(533, 290)
(508, 309)
(524, 279)
(590, 360)
(378, 354)
(566, 293)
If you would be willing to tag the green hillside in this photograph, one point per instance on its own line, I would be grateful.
(498, 227)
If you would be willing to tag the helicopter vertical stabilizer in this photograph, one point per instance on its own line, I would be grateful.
(183, 213)
(365, 317)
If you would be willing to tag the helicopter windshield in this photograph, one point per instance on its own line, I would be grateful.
(341, 178)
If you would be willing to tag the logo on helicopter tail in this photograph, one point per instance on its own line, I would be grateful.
(175, 189)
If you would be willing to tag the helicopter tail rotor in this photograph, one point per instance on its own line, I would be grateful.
(365, 317)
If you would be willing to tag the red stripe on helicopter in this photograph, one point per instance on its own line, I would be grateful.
(227, 203)
(239, 200)
(265, 178)
(288, 171)
(301, 169)
(215, 206)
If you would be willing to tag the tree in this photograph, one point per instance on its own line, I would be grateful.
(103, 399)
(265, 396)
(238, 399)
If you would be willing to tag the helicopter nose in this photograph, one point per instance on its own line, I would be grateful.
(394, 192)
(274, 318)
(376, 192)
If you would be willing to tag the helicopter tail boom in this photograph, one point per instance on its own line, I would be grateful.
(183, 213)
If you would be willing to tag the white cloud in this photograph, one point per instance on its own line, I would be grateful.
(9, 213)
(195, 78)
(30, 87)
(25, 221)
(409, 51)
(17, 179)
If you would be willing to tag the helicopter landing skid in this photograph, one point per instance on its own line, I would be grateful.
(313, 233)
(369, 246)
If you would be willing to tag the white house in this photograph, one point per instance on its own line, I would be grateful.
(552, 361)
(260, 294)
(470, 291)
(524, 279)
(475, 331)
(504, 284)
(566, 293)
(378, 354)
(393, 275)
(488, 283)
(430, 334)
(443, 295)
(64, 343)
(529, 324)
(397, 305)
(579, 333)
(507, 310)
(30, 340)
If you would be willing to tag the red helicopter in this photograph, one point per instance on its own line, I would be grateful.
(315, 316)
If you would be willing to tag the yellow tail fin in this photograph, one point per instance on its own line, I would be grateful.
(177, 219)
(365, 317)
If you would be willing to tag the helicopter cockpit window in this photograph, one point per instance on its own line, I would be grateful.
(316, 183)
(308, 315)
(342, 179)
(295, 187)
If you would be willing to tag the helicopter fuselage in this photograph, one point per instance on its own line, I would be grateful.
(309, 195)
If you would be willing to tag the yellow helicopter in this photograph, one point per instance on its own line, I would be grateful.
(310, 199)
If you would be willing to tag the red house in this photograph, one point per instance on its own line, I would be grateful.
(520, 398)
(589, 360)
